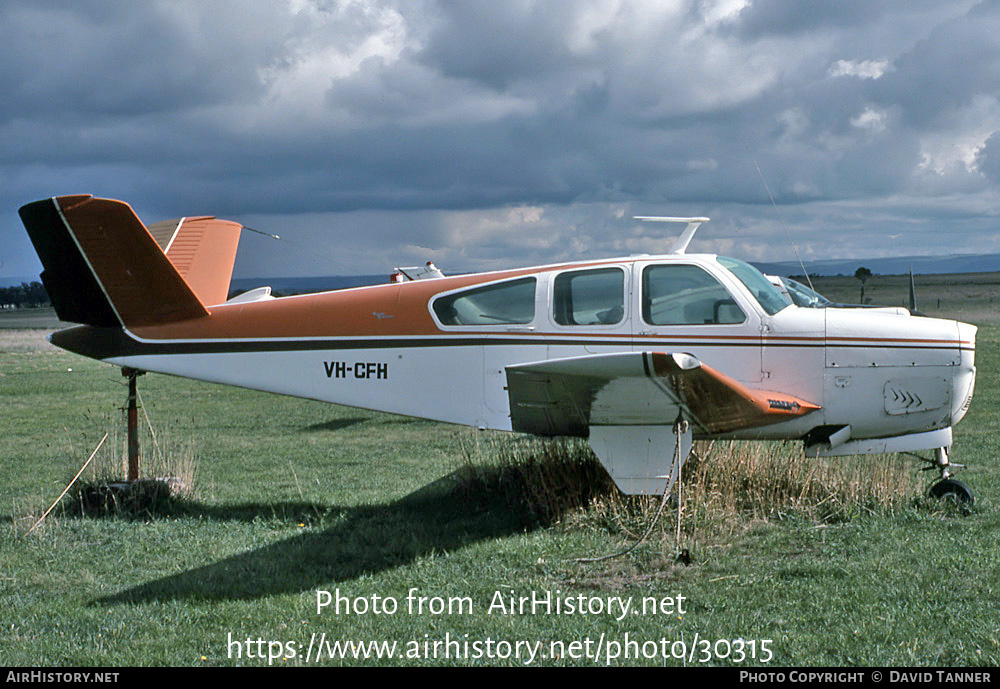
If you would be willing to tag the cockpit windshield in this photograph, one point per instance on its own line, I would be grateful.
(803, 296)
(767, 295)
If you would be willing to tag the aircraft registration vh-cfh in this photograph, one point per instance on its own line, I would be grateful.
(640, 354)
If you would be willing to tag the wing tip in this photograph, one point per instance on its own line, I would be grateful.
(665, 363)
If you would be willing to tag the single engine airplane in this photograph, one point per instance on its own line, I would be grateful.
(641, 354)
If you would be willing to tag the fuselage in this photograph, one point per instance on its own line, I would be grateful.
(438, 348)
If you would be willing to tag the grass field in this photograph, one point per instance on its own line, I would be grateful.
(294, 497)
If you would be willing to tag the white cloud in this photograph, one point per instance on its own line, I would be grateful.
(327, 44)
(703, 164)
(592, 19)
(719, 11)
(870, 118)
(864, 69)
(955, 147)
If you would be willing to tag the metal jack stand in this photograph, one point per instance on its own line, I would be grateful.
(132, 417)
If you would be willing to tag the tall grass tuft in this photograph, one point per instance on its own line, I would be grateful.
(540, 479)
(167, 472)
(727, 487)
(764, 479)
(730, 486)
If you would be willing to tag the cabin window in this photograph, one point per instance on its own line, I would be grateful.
(686, 295)
(505, 302)
(589, 297)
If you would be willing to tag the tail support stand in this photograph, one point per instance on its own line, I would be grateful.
(132, 416)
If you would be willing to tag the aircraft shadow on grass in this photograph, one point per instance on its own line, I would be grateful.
(340, 424)
(336, 424)
(442, 516)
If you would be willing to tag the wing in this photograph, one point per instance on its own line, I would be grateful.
(632, 406)
(567, 396)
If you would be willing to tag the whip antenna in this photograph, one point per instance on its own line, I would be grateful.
(311, 253)
(782, 220)
(266, 234)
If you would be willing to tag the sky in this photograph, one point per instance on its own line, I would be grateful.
(492, 134)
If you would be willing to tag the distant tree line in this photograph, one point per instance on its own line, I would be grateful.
(27, 294)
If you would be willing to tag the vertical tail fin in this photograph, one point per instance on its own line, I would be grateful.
(103, 267)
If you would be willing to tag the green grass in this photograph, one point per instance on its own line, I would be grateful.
(31, 318)
(294, 496)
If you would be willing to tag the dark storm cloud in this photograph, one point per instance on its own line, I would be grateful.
(773, 17)
(957, 61)
(498, 43)
(544, 125)
(81, 60)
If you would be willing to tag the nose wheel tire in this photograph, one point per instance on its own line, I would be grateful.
(952, 491)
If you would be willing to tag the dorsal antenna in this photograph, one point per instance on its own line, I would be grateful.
(680, 246)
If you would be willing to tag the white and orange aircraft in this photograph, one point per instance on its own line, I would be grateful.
(641, 354)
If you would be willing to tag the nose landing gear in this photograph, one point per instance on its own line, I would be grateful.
(947, 488)
(952, 491)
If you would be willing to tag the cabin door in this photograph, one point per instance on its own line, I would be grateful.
(683, 308)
